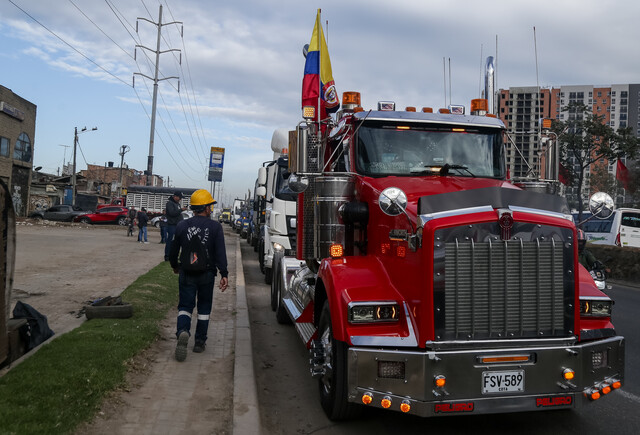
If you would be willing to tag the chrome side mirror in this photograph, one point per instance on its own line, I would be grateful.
(392, 201)
(298, 184)
(601, 205)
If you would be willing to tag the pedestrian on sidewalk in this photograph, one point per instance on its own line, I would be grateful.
(143, 219)
(174, 215)
(199, 246)
(131, 217)
(163, 226)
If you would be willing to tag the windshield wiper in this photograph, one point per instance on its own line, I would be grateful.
(442, 170)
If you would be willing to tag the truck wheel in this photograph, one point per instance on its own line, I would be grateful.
(275, 294)
(268, 275)
(333, 383)
(261, 255)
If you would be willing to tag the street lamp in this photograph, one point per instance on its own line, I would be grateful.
(73, 174)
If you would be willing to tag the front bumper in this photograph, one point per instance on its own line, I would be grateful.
(544, 385)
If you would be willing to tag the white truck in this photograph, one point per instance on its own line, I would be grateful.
(279, 230)
(154, 199)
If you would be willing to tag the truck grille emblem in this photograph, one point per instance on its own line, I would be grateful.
(506, 223)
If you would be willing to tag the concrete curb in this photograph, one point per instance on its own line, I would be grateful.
(246, 412)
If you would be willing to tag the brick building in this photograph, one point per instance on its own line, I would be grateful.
(17, 133)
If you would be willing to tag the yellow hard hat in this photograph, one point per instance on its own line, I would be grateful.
(201, 198)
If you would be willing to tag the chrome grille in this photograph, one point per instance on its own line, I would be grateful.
(501, 289)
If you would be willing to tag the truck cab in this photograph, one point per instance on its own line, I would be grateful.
(426, 283)
(279, 229)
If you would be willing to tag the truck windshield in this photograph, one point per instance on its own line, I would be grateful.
(392, 149)
(283, 192)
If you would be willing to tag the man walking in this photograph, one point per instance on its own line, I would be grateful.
(199, 247)
(174, 215)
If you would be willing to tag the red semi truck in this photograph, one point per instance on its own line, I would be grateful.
(426, 282)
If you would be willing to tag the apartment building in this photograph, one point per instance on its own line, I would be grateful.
(521, 108)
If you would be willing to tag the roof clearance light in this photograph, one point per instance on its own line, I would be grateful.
(403, 127)
(427, 110)
(440, 381)
(479, 106)
(386, 106)
(458, 130)
(410, 109)
(351, 98)
(336, 250)
(606, 390)
(616, 385)
(444, 111)
(386, 402)
(405, 406)
(308, 112)
(367, 398)
(594, 395)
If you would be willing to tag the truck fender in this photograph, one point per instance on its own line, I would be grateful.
(348, 279)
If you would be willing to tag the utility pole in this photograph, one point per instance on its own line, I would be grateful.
(73, 174)
(123, 150)
(159, 24)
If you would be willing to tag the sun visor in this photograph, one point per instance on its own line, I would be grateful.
(497, 197)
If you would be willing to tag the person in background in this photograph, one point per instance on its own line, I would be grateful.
(174, 215)
(143, 220)
(163, 226)
(198, 240)
(132, 217)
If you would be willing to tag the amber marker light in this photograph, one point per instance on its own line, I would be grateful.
(616, 385)
(594, 395)
(410, 109)
(568, 374)
(386, 402)
(606, 390)
(308, 112)
(405, 406)
(440, 381)
(427, 109)
(336, 250)
(367, 398)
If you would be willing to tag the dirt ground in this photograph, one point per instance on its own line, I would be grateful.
(61, 267)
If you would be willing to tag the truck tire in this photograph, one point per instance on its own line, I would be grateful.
(277, 286)
(333, 383)
(268, 275)
(261, 255)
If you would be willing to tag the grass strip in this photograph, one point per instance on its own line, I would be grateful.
(64, 382)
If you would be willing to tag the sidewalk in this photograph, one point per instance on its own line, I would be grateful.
(213, 392)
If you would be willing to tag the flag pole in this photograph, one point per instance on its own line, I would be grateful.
(319, 26)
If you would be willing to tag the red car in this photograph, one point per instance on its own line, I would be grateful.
(105, 215)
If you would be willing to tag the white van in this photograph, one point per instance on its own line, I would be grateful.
(622, 228)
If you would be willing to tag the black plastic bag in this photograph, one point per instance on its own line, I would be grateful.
(36, 330)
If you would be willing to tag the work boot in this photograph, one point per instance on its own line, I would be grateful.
(199, 347)
(181, 347)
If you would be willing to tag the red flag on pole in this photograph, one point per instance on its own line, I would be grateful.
(622, 174)
(563, 175)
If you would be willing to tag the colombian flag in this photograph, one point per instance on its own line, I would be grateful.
(318, 76)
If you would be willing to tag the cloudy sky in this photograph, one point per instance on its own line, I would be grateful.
(242, 66)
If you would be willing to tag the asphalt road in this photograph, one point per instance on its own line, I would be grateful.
(289, 402)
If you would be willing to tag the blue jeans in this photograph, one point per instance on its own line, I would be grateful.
(163, 233)
(171, 230)
(142, 232)
(195, 287)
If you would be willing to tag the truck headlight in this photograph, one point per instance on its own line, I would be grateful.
(595, 307)
(277, 246)
(366, 312)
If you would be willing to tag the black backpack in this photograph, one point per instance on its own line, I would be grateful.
(194, 257)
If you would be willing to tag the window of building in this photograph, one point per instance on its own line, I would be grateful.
(600, 94)
(623, 94)
(590, 94)
(580, 95)
(623, 124)
(22, 150)
(613, 101)
(612, 93)
(4, 146)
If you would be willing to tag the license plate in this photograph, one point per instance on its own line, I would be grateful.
(502, 382)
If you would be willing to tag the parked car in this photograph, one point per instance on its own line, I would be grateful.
(186, 214)
(105, 215)
(62, 212)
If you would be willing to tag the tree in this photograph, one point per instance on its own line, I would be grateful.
(586, 139)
